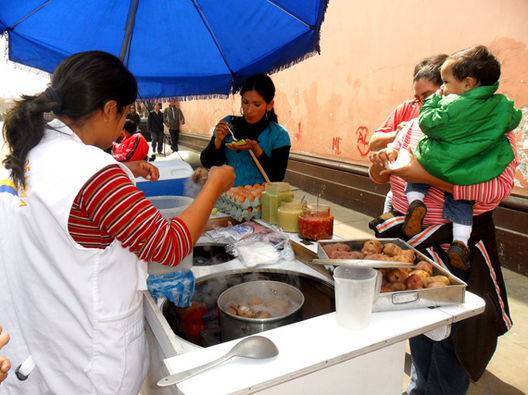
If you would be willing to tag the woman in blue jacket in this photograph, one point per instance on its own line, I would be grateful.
(258, 127)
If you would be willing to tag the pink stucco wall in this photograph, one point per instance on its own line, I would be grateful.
(331, 103)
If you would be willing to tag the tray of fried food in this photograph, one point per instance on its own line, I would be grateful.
(402, 266)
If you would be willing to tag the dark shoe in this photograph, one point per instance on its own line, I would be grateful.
(152, 158)
(414, 218)
(459, 255)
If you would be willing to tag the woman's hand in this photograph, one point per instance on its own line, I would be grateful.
(200, 175)
(383, 157)
(221, 130)
(250, 145)
(141, 168)
(221, 176)
(5, 365)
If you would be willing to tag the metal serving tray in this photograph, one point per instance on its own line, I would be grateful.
(409, 299)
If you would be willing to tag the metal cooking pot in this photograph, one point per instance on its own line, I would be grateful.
(234, 326)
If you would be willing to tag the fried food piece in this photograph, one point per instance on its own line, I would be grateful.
(440, 279)
(372, 247)
(409, 255)
(346, 255)
(396, 275)
(391, 249)
(421, 273)
(425, 266)
(414, 281)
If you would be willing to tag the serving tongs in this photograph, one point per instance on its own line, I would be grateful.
(363, 263)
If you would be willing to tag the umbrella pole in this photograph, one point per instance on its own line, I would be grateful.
(128, 31)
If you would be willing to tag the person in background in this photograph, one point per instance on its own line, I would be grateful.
(426, 81)
(5, 365)
(258, 127)
(133, 116)
(464, 141)
(155, 127)
(84, 233)
(173, 119)
(133, 145)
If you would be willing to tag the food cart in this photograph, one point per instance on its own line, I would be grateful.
(315, 355)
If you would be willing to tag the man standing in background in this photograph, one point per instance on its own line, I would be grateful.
(173, 118)
(133, 115)
(155, 127)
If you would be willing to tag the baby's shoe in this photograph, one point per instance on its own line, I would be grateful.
(414, 218)
(459, 255)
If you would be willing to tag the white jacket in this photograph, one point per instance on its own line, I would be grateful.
(78, 311)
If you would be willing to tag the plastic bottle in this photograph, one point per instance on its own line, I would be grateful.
(272, 196)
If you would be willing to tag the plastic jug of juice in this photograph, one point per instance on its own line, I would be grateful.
(272, 196)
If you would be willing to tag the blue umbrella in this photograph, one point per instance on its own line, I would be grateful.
(175, 48)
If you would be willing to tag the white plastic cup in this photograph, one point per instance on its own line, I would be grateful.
(355, 289)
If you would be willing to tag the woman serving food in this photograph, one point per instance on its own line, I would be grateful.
(79, 232)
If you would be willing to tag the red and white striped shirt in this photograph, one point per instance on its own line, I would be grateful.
(110, 207)
(486, 195)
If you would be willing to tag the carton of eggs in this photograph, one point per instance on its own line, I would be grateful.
(241, 203)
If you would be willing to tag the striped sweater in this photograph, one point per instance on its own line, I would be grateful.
(487, 195)
(110, 207)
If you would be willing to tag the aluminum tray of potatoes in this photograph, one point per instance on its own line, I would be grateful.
(427, 284)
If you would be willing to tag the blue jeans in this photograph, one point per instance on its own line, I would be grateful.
(457, 211)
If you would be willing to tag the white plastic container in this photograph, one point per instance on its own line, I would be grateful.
(355, 291)
(170, 207)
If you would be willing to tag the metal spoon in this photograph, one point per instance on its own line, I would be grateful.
(257, 347)
(232, 134)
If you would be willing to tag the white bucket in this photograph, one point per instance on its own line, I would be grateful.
(170, 207)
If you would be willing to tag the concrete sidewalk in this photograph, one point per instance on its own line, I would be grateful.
(506, 373)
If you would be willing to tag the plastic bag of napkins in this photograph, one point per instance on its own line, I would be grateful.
(262, 249)
(178, 287)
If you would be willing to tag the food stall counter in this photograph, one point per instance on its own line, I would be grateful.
(317, 356)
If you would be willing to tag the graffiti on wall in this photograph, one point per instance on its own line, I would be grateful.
(335, 145)
(362, 141)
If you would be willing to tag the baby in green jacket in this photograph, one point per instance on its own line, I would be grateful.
(463, 142)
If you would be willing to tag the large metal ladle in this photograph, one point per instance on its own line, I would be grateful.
(257, 347)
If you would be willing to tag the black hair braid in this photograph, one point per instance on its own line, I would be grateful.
(23, 129)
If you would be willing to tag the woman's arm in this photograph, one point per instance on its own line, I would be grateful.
(211, 156)
(126, 215)
(414, 172)
(379, 140)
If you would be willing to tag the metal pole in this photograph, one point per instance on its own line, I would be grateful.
(129, 26)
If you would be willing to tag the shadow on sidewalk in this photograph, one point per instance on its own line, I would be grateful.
(489, 384)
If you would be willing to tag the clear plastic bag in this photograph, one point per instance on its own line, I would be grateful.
(263, 248)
